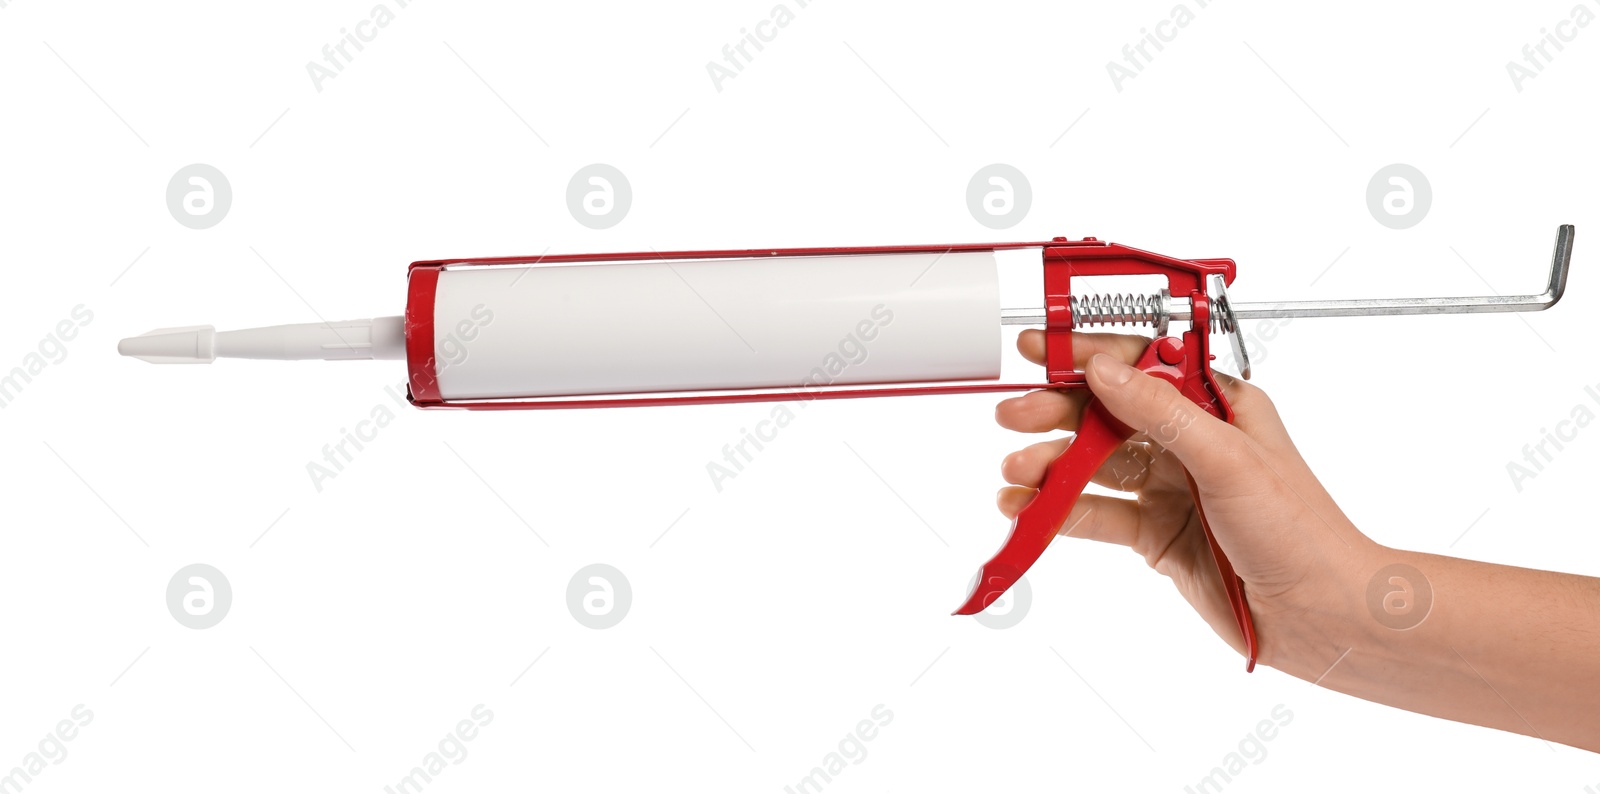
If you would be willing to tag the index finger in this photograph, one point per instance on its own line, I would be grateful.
(1124, 347)
(1051, 409)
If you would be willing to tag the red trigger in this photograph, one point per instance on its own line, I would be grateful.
(1099, 434)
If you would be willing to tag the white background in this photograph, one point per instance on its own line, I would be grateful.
(774, 615)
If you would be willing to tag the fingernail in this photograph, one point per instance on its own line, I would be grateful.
(1110, 370)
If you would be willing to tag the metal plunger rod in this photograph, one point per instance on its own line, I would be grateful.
(1560, 261)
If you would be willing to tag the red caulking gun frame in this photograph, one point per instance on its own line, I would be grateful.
(658, 346)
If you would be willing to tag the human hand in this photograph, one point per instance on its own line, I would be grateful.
(1509, 648)
(1288, 541)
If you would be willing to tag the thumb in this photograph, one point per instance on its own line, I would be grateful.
(1207, 446)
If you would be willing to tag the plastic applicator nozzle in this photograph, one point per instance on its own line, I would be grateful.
(377, 338)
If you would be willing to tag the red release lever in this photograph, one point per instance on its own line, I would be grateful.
(1185, 363)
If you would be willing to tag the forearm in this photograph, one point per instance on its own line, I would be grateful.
(1504, 647)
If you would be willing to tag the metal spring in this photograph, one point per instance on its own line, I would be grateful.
(1222, 322)
(1150, 310)
(1117, 308)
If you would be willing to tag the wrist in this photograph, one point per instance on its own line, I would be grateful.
(1318, 621)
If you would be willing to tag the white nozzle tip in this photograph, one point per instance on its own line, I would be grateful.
(195, 344)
